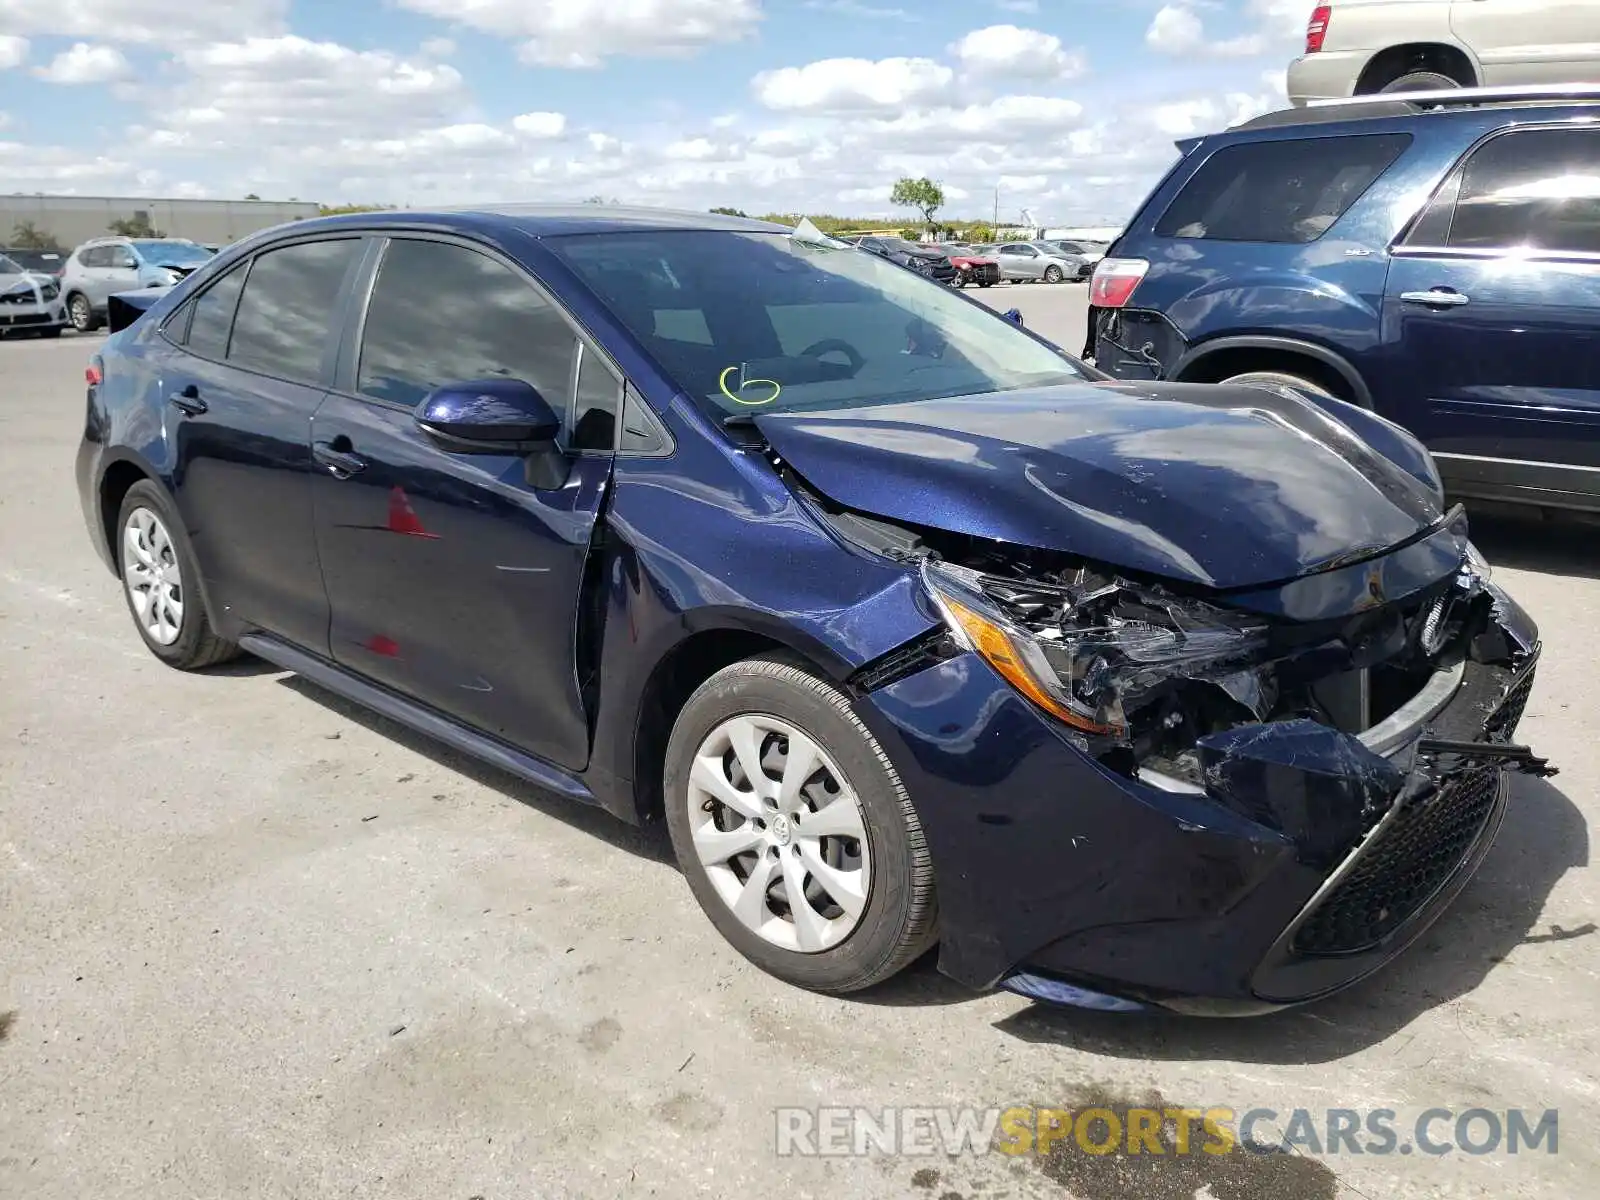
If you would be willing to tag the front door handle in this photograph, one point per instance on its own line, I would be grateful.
(188, 401)
(1437, 297)
(341, 463)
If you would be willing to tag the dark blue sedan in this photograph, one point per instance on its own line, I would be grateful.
(915, 630)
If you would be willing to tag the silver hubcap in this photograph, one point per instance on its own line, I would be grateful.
(779, 833)
(80, 311)
(150, 572)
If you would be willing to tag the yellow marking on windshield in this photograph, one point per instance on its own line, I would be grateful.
(722, 382)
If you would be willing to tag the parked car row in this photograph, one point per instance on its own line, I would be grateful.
(44, 291)
(963, 263)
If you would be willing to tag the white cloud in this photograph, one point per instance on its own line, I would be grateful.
(853, 84)
(160, 21)
(1206, 114)
(584, 33)
(13, 52)
(1005, 51)
(691, 150)
(540, 124)
(1178, 30)
(438, 47)
(84, 63)
(262, 93)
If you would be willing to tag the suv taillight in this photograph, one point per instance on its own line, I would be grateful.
(1317, 27)
(1115, 280)
(94, 373)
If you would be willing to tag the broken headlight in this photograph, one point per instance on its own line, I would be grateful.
(1087, 648)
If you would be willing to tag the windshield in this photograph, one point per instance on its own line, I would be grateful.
(8, 267)
(32, 260)
(172, 254)
(763, 322)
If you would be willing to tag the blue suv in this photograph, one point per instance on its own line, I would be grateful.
(1434, 258)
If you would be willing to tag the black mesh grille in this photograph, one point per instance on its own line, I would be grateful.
(1402, 867)
(1502, 726)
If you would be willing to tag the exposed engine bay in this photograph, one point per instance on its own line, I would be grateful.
(1187, 692)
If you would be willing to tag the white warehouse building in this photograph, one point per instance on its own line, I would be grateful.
(71, 220)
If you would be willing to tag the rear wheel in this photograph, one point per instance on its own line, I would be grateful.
(1052, 274)
(81, 313)
(1271, 379)
(1420, 81)
(794, 830)
(161, 582)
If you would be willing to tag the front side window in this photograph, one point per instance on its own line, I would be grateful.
(287, 313)
(752, 322)
(443, 313)
(1288, 191)
(1536, 189)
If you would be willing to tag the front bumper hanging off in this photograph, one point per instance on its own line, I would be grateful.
(1069, 883)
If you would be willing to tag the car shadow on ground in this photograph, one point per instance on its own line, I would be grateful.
(647, 842)
(1499, 915)
(1561, 544)
(1543, 836)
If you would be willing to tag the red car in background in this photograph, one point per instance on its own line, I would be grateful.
(971, 266)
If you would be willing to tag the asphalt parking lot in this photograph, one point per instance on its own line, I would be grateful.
(255, 942)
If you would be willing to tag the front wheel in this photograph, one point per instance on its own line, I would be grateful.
(794, 830)
(1053, 274)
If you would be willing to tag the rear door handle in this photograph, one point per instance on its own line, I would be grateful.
(188, 401)
(1437, 297)
(341, 464)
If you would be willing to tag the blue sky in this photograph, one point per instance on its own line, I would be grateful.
(1069, 107)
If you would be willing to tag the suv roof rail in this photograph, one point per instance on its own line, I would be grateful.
(1399, 104)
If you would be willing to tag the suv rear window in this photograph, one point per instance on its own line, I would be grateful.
(1279, 191)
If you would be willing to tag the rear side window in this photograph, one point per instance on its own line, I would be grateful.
(1279, 191)
(212, 319)
(1536, 189)
(286, 314)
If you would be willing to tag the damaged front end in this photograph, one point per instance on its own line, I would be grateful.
(1372, 737)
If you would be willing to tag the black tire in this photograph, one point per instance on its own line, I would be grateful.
(197, 644)
(1281, 379)
(900, 920)
(1053, 274)
(1420, 81)
(81, 313)
(986, 282)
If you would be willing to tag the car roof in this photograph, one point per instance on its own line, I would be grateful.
(544, 220)
(1578, 99)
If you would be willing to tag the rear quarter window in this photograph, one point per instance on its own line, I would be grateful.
(1288, 191)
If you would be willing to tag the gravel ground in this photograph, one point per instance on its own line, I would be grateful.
(254, 942)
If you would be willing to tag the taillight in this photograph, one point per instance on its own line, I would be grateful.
(94, 374)
(1115, 280)
(1317, 27)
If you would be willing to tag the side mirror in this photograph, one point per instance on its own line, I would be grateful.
(1014, 315)
(488, 416)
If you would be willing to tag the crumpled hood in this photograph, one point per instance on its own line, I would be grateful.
(1228, 487)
